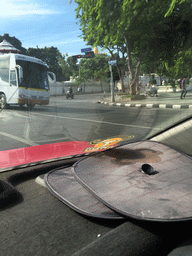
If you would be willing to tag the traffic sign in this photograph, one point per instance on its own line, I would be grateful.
(86, 50)
(89, 54)
(112, 62)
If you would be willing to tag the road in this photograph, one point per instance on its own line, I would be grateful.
(80, 119)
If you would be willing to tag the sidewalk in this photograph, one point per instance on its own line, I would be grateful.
(163, 100)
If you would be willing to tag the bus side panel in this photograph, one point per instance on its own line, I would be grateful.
(33, 96)
(8, 78)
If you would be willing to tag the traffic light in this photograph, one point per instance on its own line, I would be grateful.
(89, 54)
(75, 57)
(86, 55)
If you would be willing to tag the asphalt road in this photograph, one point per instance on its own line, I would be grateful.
(80, 119)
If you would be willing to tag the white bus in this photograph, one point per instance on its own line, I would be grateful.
(23, 81)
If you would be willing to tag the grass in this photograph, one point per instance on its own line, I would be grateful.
(131, 97)
(122, 93)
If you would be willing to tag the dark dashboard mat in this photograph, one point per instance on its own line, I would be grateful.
(144, 180)
(63, 185)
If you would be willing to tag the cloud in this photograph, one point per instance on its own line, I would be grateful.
(18, 8)
(34, 41)
(60, 43)
(68, 41)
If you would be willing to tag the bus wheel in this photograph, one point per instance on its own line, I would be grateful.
(2, 101)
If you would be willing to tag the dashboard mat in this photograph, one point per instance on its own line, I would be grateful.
(63, 185)
(145, 180)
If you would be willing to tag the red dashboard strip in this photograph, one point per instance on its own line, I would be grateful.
(21, 156)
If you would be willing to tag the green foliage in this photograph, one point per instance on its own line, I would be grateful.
(51, 56)
(138, 26)
(183, 64)
(171, 82)
(153, 81)
(180, 67)
(68, 65)
(187, 81)
(94, 68)
(78, 81)
(174, 4)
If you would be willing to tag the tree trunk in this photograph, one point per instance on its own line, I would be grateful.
(122, 80)
(137, 73)
(101, 86)
(135, 80)
(133, 88)
(130, 66)
(122, 83)
(121, 76)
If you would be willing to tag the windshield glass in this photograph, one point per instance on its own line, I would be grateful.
(34, 75)
(123, 87)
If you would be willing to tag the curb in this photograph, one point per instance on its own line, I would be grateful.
(147, 105)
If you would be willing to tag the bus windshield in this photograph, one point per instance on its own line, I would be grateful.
(34, 75)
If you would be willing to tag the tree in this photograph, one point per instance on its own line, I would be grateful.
(51, 56)
(140, 26)
(94, 68)
(173, 5)
(65, 67)
(181, 67)
(183, 64)
(73, 66)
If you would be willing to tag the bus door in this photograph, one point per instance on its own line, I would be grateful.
(12, 95)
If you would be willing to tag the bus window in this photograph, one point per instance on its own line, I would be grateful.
(4, 69)
(13, 77)
(4, 74)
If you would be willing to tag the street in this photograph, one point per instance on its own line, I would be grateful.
(80, 119)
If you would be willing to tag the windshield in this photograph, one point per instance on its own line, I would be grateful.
(33, 76)
(121, 88)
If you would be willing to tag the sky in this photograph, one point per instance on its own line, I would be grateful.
(42, 23)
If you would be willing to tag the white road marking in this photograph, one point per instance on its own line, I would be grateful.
(162, 105)
(176, 106)
(28, 142)
(27, 131)
(149, 105)
(95, 121)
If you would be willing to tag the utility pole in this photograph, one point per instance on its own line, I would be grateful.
(112, 63)
(112, 87)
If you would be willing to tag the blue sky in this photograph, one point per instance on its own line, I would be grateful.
(43, 23)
